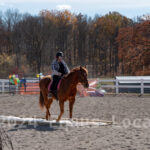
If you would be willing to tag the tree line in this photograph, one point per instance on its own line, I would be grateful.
(107, 45)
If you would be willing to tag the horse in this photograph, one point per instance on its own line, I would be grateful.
(66, 91)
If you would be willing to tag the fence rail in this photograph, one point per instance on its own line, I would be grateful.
(32, 85)
(118, 84)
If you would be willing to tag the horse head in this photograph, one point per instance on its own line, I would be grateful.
(83, 77)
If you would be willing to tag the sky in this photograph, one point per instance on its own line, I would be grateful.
(129, 8)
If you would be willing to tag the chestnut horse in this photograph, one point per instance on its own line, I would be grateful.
(67, 90)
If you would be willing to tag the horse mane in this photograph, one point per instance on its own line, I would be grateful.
(75, 70)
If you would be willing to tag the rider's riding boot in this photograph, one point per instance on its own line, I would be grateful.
(53, 93)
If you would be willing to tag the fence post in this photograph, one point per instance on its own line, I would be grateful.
(17, 88)
(3, 86)
(117, 88)
(142, 87)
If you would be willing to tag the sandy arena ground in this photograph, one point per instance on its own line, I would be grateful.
(131, 131)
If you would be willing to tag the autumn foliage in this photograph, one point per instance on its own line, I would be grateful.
(134, 49)
(108, 45)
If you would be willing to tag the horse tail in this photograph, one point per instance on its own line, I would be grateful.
(41, 100)
(43, 84)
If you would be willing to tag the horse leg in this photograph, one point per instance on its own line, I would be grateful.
(61, 105)
(47, 109)
(47, 103)
(47, 113)
(71, 102)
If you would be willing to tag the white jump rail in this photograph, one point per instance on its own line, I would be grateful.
(64, 122)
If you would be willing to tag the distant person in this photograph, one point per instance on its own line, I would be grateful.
(23, 81)
(59, 69)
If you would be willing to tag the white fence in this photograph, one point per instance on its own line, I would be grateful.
(6, 87)
(113, 84)
(139, 84)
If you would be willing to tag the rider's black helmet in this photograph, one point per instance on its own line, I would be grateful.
(59, 54)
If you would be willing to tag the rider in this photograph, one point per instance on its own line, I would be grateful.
(59, 69)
